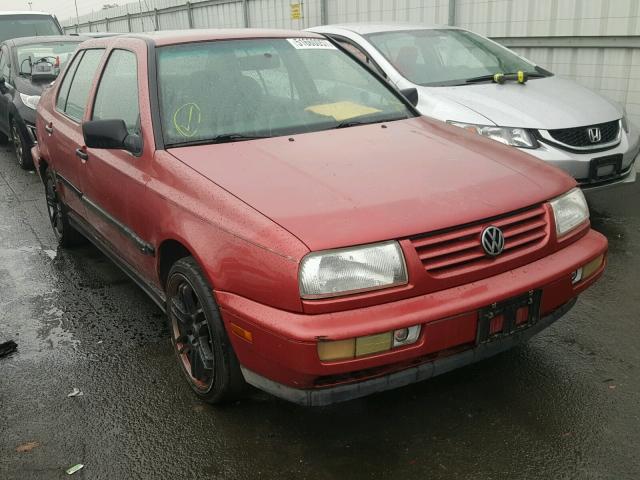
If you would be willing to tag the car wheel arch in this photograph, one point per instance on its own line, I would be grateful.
(169, 252)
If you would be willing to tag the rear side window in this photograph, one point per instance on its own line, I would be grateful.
(117, 96)
(76, 100)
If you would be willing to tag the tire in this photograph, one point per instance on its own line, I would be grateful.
(199, 339)
(56, 209)
(20, 146)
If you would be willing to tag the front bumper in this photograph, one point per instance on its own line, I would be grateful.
(424, 371)
(282, 357)
(578, 165)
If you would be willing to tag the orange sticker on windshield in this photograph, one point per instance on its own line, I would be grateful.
(186, 119)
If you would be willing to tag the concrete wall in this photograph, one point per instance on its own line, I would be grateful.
(595, 42)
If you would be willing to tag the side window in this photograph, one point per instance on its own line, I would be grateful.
(81, 83)
(63, 93)
(117, 96)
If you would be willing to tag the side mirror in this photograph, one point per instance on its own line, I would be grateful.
(111, 134)
(411, 94)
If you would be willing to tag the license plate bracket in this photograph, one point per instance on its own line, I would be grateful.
(504, 318)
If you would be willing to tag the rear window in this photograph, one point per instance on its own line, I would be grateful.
(15, 26)
(56, 53)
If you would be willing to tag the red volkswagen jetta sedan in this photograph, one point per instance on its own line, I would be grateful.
(304, 229)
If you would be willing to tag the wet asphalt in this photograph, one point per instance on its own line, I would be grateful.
(565, 405)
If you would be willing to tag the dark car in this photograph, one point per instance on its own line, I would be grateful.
(27, 66)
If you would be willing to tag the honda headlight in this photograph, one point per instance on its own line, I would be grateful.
(516, 137)
(349, 270)
(30, 101)
(569, 210)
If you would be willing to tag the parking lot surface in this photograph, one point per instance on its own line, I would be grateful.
(565, 405)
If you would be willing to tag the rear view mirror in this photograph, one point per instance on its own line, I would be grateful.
(111, 134)
(411, 94)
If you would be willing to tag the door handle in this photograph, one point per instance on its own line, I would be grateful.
(82, 154)
(49, 128)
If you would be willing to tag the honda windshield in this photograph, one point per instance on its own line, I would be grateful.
(235, 90)
(442, 57)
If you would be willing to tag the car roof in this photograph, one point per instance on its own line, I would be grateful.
(367, 28)
(172, 37)
(24, 12)
(45, 39)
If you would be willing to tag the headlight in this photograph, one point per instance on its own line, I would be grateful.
(569, 210)
(349, 270)
(30, 101)
(516, 137)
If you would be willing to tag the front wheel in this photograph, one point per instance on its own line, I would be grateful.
(20, 146)
(198, 336)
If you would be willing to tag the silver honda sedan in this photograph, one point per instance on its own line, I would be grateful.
(454, 73)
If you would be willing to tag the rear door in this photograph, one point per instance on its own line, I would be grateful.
(66, 143)
(115, 179)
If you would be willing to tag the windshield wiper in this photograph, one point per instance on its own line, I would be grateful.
(235, 137)
(224, 138)
(487, 78)
(367, 120)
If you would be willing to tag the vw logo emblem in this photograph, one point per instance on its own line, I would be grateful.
(492, 241)
(595, 135)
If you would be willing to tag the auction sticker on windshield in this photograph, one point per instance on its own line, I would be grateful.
(302, 43)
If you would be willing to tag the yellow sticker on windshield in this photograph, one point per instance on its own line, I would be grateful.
(186, 119)
(341, 110)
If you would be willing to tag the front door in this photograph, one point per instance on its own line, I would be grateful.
(115, 179)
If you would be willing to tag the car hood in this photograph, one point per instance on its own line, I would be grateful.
(376, 182)
(542, 103)
(28, 87)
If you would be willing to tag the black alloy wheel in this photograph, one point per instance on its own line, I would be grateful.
(20, 146)
(199, 339)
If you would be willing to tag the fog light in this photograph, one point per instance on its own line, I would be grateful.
(406, 336)
(592, 267)
(401, 335)
(337, 350)
(373, 344)
(587, 270)
(576, 276)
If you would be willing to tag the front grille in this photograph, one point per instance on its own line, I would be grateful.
(459, 251)
(579, 136)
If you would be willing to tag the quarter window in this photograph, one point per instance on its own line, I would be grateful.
(117, 96)
(63, 93)
(81, 84)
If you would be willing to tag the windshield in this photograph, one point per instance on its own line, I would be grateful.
(56, 54)
(234, 89)
(15, 26)
(447, 57)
